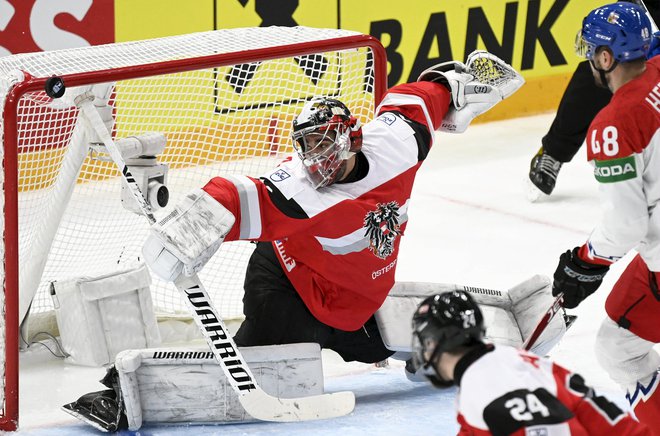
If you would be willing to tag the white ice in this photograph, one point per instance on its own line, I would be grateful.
(470, 223)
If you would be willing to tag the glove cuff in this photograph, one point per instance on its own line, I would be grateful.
(575, 255)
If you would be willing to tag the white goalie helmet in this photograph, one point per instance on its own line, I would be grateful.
(325, 135)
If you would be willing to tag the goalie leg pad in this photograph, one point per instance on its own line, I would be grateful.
(394, 315)
(509, 315)
(100, 316)
(530, 300)
(170, 386)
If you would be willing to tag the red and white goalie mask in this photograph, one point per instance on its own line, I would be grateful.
(325, 136)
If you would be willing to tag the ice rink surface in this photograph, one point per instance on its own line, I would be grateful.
(471, 224)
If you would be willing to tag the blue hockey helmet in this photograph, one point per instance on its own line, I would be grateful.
(624, 28)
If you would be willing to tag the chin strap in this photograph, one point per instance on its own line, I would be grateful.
(602, 72)
(436, 379)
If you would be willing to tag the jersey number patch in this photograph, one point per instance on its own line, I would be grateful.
(524, 408)
(606, 142)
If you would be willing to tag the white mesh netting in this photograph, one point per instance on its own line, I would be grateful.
(218, 120)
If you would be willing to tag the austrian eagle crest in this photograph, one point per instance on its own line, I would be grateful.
(382, 227)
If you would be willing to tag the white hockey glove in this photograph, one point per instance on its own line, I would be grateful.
(475, 87)
(187, 237)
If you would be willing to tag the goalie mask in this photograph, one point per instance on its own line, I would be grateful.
(325, 136)
(441, 323)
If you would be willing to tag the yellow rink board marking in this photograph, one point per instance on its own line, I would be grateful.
(510, 21)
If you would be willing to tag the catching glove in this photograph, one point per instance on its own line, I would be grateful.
(475, 87)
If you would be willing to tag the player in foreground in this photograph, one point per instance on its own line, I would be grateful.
(328, 220)
(624, 146)
(503, 390)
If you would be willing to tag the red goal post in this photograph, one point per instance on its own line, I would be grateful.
(224, 102)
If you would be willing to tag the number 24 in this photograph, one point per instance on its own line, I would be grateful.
(610, 145)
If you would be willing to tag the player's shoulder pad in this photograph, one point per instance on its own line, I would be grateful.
(403, 128)
(578, 386)
(523, 408)
(283, 184)
(617, 133)
(614, 141)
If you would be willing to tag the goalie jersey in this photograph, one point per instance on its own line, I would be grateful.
(506, 391)
(338, 245)
(624, 146)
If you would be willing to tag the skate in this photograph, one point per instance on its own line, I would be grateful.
(543, 173)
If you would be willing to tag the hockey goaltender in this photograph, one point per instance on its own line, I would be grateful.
(327, 223)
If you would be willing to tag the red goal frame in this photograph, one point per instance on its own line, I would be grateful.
(9, 420)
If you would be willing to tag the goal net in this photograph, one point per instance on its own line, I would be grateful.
(222, 101)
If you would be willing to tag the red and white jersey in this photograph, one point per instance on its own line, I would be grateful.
(511, 392)
(624, 146)
(339, 244)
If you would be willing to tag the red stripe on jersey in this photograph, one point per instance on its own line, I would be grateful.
(583, 254)
(436, 98)
(467, 430)
(594, 415)
(225, 193)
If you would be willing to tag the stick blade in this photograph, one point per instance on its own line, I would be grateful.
(265, 407)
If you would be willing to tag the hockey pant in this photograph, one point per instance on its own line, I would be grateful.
(275, 314)
(625, 341)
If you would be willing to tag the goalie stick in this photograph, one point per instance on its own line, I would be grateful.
(545, 321)
(254, 400)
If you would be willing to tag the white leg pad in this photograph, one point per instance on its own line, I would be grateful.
(188, 385)
(530, 301)
(627, 358)
(100, 316)
(509, 315)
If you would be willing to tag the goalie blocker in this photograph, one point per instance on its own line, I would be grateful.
(184, 240)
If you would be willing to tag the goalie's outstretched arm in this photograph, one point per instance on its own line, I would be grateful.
(466, 91)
